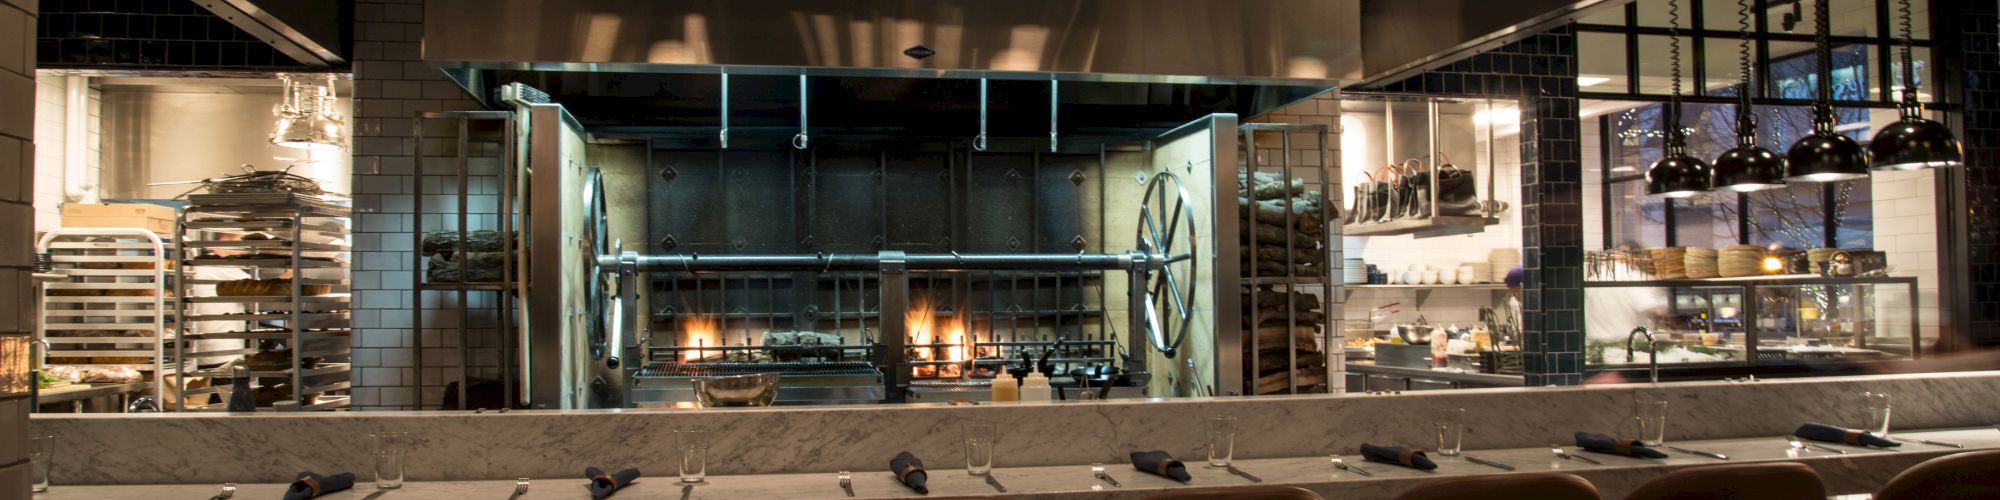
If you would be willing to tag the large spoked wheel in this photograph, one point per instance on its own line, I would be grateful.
(601, 289)
(1167, 232)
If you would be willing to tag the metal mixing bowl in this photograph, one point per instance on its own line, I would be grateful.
(757, 389)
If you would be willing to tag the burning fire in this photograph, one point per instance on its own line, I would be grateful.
(699, 331)
(925, 329)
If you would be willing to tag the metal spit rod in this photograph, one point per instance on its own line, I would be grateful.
(694, 263)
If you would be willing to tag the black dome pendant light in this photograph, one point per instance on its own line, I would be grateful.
(1913, 143)
(1825, 156)
(1676, 175)
(1748, 167)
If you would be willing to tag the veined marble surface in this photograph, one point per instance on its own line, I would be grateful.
(212, 448)
(1861, 470)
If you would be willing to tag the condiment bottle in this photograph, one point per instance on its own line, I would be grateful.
(1006, 389)
(1036, 388)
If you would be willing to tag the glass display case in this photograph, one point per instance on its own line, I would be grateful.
(1752, 321)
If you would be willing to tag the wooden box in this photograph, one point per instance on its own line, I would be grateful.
(155, 218)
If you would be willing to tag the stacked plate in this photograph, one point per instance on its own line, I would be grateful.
(1740, 260)
(1353, 272)
(1502, 260)
(1482, 272)
(1669, 263)
(1701, 262)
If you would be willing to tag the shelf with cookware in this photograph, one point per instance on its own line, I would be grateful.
(1414, 186)
(264, 303)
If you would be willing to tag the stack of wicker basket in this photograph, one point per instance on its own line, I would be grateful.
(1669, 263)
(1701, 262)
(1740, 260)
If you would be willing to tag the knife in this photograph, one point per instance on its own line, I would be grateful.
(995, 482)
(1934, 443)
(1488, 463)
(1239, 472)
(1709, 454)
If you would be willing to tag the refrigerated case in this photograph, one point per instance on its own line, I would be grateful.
(1764, 321)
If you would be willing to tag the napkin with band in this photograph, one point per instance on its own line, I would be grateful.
(1407, 457)
(1606, 444)
(1160, 463)
(311, 485)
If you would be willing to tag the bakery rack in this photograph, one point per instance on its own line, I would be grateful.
(278, 236)
(114, 282)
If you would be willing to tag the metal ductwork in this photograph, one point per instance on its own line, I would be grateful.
(308, 31)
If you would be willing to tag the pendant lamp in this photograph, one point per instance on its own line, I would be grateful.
(1825, 155)
(1676, 175)
(1913, 143)
(1748, 167)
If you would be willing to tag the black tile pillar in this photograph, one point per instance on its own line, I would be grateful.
(1540, 71)
(1975, 25)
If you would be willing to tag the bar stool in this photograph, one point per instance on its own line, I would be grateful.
(1240, 493)
(1974, 474)
(1537, 486)
(1772, 481)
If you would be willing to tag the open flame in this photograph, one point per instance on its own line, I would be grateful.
(699, 331)
(930, 334)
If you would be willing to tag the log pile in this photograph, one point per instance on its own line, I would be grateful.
(1284, 225)
(1282, 334)
(482, 262)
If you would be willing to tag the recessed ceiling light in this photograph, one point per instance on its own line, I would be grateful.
(1586, 81)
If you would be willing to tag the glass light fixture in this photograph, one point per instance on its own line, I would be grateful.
(1677, 175)
(1825, 155)
(1747, 167)
(306, 118)
(1913, 143)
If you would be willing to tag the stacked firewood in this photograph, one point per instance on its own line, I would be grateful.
(1281, 333)
(482, 261)
(1285, 223)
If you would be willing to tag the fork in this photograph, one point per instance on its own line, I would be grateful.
(1341, 464)
(1798, 443)
(228, 490)
(847, 483)
(520, 488)
(1562, 454)
(1097, 470)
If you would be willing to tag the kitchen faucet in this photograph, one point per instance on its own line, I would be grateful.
(1652, 347)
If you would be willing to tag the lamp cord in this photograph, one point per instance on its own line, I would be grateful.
(1746, 122)
(1909, 60)
(1823, 108)
(1675, 141)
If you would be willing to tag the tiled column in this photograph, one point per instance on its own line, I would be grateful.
(391, 84)
(17, 218)
(1979, 93)
(1541, 72)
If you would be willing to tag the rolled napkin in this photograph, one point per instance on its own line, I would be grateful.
(603, 485)
(1412, 458)
(1831, 434)
(1606, 444)
(1160, 463)
(910, 471)
(311, 485)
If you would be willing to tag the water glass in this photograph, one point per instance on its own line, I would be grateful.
(1878, 413)
(692, 441)
(1652, 419)
(388, 449)
(1221, 440)
(41, 450)
(1450, 431)
(980, 437)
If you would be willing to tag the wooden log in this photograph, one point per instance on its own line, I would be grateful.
(1269, 185)
(1275, 300)
(1298, 255)
(1274, 235)
(1307, 377)
(1304, 215)
(1305, 319)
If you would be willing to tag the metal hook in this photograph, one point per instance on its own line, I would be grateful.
(801, 141)
(724, 136)
(979, 141)
(1052, 115)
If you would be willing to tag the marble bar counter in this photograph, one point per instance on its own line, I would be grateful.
(461, 446)
(1861, 470)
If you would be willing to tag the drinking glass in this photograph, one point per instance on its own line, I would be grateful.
(41, 450)
(1652, 419)
(388, 449)
(1450, 431)
(979, 439)
(1221, 440)
(692, 442)
(1878, 413)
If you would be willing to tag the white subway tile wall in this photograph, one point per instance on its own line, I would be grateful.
(18, 93)
(391, 85)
